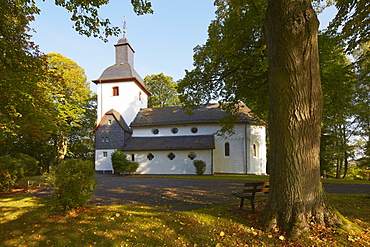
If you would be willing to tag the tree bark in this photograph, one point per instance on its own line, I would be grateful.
(296, 198)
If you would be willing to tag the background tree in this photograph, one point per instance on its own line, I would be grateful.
(232, 64)
(69, 95)
(163, 89)
(338, 81)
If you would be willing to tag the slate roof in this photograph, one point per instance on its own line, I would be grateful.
(176, 115)
(200, 142)
(118, 118)
(122, 72)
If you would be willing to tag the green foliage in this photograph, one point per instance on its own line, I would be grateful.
(200, 167)
(121, 165)
(11, 170)
(232, 65)
(163, 90)
(28, 163)
(351, 22)
(75, 183)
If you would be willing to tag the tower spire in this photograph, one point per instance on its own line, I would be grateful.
(124, 26)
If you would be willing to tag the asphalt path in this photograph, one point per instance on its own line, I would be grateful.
(181, 194)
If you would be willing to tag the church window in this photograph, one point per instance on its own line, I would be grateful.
(171, 156)
(106, 139)
(103, 139)
(227, 149)
(105, 154)
(194, 130)
(256, 151)
(155, 131)
(150, 156)
(115, 91)
(192, 155)
(109, 122)
(174, 130)
(132, 157)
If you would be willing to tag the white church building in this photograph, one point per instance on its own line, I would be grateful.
(166, 140)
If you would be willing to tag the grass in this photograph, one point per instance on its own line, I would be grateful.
(29, 221)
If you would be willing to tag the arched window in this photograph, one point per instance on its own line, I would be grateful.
(227, 149)
(256, 149)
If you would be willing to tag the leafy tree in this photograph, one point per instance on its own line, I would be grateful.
(232, 64)
(338, 81)
(21, 69)
(295, 95)
(81, 138)
(69, 94)
(163, 89)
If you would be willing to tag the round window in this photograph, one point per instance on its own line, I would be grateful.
(174, 130)
(155, 131)
(194, 130)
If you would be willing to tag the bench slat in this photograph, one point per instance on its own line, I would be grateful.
(253, 189)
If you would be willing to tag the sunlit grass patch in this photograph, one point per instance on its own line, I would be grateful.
(30, 222)
(14, 206)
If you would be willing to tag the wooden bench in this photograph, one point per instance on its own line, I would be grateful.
(252, 190)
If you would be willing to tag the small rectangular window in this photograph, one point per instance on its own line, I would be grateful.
(109, 122)
(103, 139)
(105, 154)
(115, 91)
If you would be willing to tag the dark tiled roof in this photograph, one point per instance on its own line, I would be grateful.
(119, 119)
(176, 115)
(170, 143)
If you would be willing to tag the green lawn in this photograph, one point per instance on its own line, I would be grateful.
(28, 221)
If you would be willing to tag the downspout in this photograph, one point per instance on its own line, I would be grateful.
(246, 149)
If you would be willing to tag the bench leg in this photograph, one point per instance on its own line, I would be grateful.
(241, 202)
(252, 205)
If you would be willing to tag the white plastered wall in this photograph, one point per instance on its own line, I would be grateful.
(161, 164)
(103, 163)
(128, 103)
(257, 160)
(236, 161)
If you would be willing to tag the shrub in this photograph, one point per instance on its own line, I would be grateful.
(29, 164)
(200, 167)
(11, 171)
(75, 183)
(121, 165)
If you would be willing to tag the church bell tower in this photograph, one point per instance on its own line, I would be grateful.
(120, 87)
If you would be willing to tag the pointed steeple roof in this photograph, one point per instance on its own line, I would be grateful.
(123, 69)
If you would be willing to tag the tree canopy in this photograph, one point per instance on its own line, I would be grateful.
(163, 90)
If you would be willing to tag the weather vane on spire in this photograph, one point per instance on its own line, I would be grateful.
(124, 26)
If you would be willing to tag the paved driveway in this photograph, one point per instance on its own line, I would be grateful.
(181, 194)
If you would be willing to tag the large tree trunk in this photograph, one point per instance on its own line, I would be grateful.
(297, 198)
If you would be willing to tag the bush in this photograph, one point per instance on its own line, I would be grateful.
(200, 167)
(121, 165)
(29, 164)
(11, 171)
(75, 183)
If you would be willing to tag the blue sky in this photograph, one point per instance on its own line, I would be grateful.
(163, 41)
